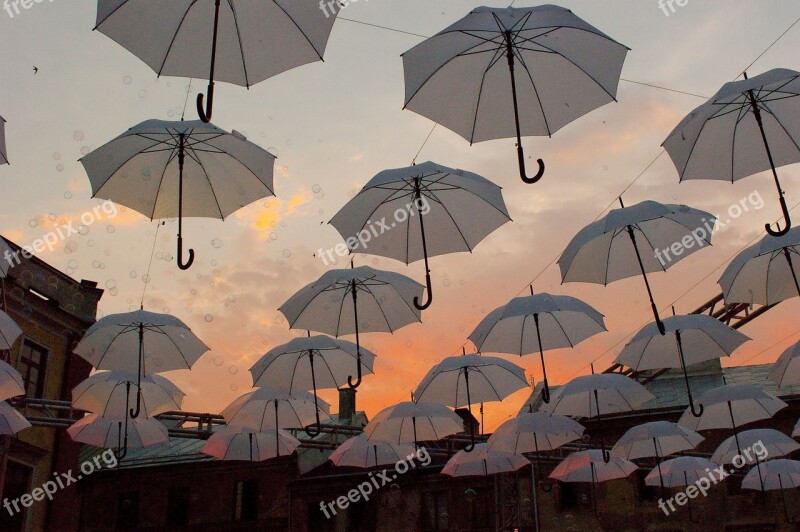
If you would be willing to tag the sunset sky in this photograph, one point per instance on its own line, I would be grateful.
(333, 126)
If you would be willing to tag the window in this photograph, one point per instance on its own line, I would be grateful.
(246, 494)
(33, 365)
(17, 483)
(128, 509)
(178, 506)
(434, 511)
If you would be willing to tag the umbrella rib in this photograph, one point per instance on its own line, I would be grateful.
(239, 40)
(773, 115)
(175, 36)
(498, 54)
(299, 29)
(208, 180)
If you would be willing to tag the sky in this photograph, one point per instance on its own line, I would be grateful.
(335, 124)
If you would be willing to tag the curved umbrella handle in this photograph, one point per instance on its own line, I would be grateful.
(787, 219)
(696, 413)
(204, 109)
(317, 428)
(423, 306)
(135, 413)
(468, 448)
(523, 173)
(122, 450)
(188, 264)
(357, 383)
(606, 454)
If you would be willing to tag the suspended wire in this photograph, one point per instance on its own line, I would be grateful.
(188, 90)
(768, 348)
(382, 27)
(768, 48)
(423, 144)
(146, 279)
(651, 85)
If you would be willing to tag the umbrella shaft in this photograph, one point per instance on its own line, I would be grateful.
(510, 55)
(760, 122)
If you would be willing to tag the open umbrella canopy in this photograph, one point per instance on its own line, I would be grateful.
(9, 331)
(226, 41)
(5, 253)
(483, 462)
(421, 211)
(413, 422)
(731, 406)
(11, 421)
(111, 393)
(11, 383)
(766, 272)
(3, 152)
(113, 343)
(268, 408)
(520, 71)
(770, 442)
(244, 444)
(531, 432)
(786, 370)
(600, 394)
(780, 474)
(748, 126)
(680, 471)
(360, 452)
(655, 439)
(589, 466)
(462, 380)
(114, 432)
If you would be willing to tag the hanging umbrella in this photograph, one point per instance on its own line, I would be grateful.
(537, 323)
(268, 408)
(533, 432)
(9, 331)
(243, 444)
(519, 71)
(142, 342)
(772, 442)
(411, 422)
(3, 152)
(748, 127)
(145, 169)
(290, 367)
(420, 212)
(731, 406)
(633, 240)
(11, 421)
(679, 472)
(110, 393)
(778, 474)
(686, 340)
(11, 383)
(594, 395)
(240, 41)
(592, 466)
(331, 305)
(359, 452)
(6, 263)
(786, 370)
(482, 463)
(484, 379)
(765, 273)
(655, 439)
(118, 432)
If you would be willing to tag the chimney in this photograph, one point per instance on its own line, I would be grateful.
(347, 404)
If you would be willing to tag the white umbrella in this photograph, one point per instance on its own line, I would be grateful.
(426, 209)
(116, 432)
(412, 422)
(731, 406)
(11, 421)
(532, 432)
(764, 273)
(110, 393)
(537, 323)
(462, 380)
(243, 444)
(634, 241)
(778, 474)
(235, 41)
(11, 383)
(687, 340)
(331, 305)
(6, 253)
(268, 408)
(747, 127)
(786, 370)
(9, 331)
(145, 169)
(3, 152)
(594, 395)
(772, 443)
(142, 342)
(291, 367)
(680, 471)
(360, 452)
(519, 72)
(592, 466)
(483, 462)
